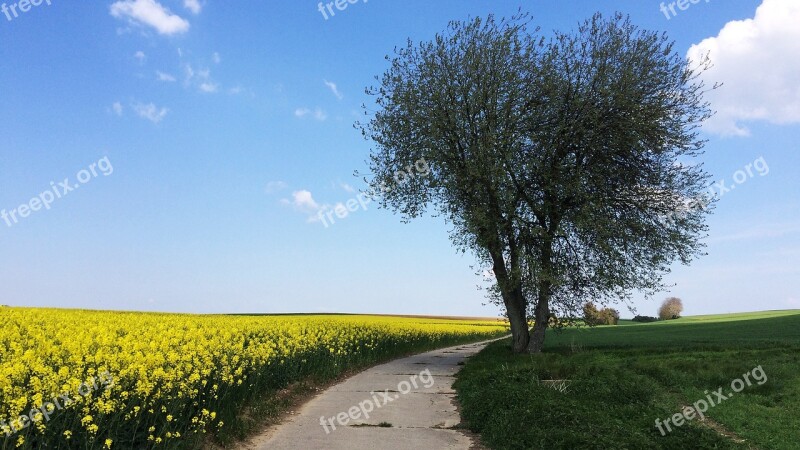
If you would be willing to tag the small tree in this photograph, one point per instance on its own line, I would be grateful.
(592, 316)
(670, 309)
(609, 316)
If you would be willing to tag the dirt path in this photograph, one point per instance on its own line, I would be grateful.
(407, 403)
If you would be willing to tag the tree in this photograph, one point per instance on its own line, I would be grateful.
(611, 316)
(670, 309)
(556, 161)
(592, 316)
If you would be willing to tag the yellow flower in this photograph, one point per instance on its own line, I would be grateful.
(135, 363)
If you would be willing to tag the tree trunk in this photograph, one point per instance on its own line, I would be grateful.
(541, 318)
(516, 308)
(520, 334)
(541, 314)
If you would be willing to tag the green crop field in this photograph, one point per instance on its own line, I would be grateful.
(621, 379)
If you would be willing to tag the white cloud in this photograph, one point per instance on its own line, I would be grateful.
(150, 112)
(200, 78)
(164, 76)
(756, 59)
(332, 86)
(193, 5)
(320, 115)
(117, 108)
(140, 56)
(317, 113)
(150, 13)
(216, 58)
(303, 201)
(275, 186)
(189, 72)
(209, 87)
(347, 188)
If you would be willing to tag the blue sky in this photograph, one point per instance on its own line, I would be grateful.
(205, 135)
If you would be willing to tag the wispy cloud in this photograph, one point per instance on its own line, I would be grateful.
(209, 87)
(164, 76)
(117, 108)
(140, 56)
(193, 5)
(317, 113)
(149, 13)
(200, 78)
(302, 201)
(150, 112)
(332, 86)
(275, 186)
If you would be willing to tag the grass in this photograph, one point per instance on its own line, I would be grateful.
(623, 378)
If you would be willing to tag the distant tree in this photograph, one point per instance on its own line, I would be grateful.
(670, 309)
(558, 162)
(645, 319)
(610, 316)
(592, 316)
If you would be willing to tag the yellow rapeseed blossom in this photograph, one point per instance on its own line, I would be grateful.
(169, 374)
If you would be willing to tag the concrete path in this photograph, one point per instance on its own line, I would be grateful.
(404, 404)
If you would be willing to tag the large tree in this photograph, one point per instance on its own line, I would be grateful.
(567, 164)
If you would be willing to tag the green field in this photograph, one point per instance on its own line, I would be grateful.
(622, 378)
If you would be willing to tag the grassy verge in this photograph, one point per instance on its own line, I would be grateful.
(621, 379)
